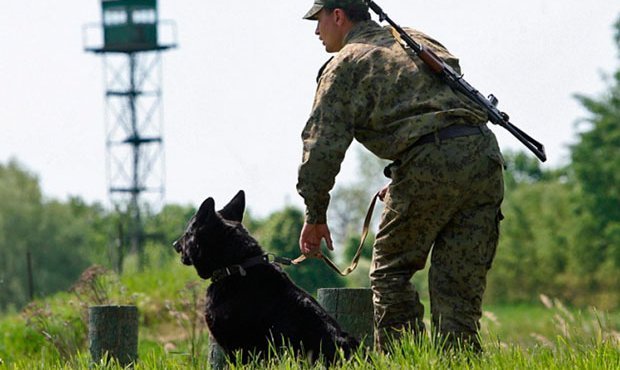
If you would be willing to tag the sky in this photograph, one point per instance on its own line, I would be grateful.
(239, 87)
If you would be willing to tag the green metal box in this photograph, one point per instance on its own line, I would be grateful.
(129, 25)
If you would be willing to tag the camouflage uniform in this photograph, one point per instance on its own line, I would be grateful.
(444, 195)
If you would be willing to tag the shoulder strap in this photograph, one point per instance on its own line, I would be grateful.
(320, 73)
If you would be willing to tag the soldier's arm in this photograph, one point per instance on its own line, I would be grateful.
(326, 137)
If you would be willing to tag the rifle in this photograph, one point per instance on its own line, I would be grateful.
(456, 82)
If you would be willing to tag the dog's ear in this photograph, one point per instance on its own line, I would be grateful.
(233, 211)
(207, 208)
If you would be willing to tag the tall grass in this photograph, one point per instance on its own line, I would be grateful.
(407, 354)
(51, 333)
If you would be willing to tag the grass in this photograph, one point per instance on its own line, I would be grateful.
(406, 355)
(51, 333)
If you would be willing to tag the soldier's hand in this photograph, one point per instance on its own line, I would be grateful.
(310, 239)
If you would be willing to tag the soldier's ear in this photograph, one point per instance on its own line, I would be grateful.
(233, 211)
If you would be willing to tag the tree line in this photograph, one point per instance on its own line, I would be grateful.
(560, 236)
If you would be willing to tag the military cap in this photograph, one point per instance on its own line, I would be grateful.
(333, 4)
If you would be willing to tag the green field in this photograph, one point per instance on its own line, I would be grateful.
(52, 333)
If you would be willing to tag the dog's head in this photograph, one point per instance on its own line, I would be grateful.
(213, 240)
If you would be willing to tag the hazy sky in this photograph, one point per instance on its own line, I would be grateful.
(238, 89)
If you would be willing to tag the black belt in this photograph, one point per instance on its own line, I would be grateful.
(443, 134)
(448, 133)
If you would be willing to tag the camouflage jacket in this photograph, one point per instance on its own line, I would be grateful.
(374, 92)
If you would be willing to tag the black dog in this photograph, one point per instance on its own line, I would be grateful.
(251, 302)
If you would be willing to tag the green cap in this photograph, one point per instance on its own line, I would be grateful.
(332, 4)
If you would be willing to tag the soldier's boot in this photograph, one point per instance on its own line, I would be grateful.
(459, 341)
(387, 337)
(397, 308)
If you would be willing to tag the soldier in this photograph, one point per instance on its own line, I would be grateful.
(446, 172)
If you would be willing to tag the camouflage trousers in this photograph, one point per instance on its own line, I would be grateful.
(444, 200)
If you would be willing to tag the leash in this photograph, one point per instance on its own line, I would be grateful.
(358, 253)
(240, 269)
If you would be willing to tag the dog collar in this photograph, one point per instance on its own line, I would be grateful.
(240, 269)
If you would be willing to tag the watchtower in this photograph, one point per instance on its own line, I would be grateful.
(131, 38)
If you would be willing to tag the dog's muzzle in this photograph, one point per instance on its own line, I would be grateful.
(177, 246)
(184, 257)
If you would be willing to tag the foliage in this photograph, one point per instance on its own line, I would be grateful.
(20, 203)
(58, 325)
(188, 309)
(595, 158)
(559, 338)
(523, 169)
(407, 355)
(544, 246)
(347, 211)
(166, 226)
(349, 201)
(538, 229)
(596, 167)
(51, 233)
(55, 328)
(172, 333)
(65, 331)
(64, 238)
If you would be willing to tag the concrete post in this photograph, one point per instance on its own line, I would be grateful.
(113, 330)
(217, 357)
(352, 308)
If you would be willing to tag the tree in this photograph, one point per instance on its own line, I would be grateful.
(349, 202)
(523, 168)
(347, 211)
(62, 239)
(20, 207)
(596, 166)
(162, 229)
(535, 252)
(596, 156)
